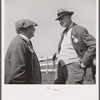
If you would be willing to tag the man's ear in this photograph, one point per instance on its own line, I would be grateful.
(69, 16)
(28, 29)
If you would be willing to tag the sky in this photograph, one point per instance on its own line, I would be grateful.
(44, 12)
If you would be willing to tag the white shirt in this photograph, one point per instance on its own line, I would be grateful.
(67, 52)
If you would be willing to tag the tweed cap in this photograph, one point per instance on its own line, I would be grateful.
(24, 23)
(62, 12)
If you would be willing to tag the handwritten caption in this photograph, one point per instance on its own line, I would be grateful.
(52, 89)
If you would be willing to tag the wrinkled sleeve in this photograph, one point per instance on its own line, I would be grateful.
(90, 53)
(17, 72)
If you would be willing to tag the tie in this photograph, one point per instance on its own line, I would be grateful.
(66, 29)
(30, 43)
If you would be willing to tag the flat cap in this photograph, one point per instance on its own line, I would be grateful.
(62, 12)
(24, 23)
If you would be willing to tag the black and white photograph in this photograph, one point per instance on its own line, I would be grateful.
(50, 49)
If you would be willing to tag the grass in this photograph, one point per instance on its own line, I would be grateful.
(48, 78)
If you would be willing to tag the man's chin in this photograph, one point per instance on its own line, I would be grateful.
(63, 26)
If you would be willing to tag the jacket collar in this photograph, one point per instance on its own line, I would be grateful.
(21, 37)
(27, 39)
(70, 26)
(30, 48)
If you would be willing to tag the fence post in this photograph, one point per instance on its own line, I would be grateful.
(56, 71)
(47, 66)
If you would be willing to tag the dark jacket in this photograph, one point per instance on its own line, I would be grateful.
(21, 64)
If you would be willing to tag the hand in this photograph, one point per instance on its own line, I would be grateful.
(54, 57)
(94, 62)
(82, 65)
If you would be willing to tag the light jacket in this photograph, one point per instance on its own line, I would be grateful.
(84, 45)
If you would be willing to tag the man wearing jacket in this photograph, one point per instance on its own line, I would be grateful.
(76, 51)
(21, 63)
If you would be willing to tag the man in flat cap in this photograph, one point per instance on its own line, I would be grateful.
(21, 63)
(76, 52)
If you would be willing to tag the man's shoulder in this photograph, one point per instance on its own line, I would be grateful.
(79, 28)
(18, 41)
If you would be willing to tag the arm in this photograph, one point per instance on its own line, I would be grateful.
(17, 72)
(90, 53)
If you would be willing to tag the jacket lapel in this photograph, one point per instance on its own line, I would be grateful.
(74, 38)
(28, 46)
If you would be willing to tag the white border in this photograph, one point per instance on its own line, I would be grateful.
(43, 91)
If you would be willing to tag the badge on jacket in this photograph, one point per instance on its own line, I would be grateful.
(75, 39)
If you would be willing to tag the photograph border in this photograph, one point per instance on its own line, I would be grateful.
(47, 86)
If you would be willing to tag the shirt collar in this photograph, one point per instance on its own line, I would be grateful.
(27, 39)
